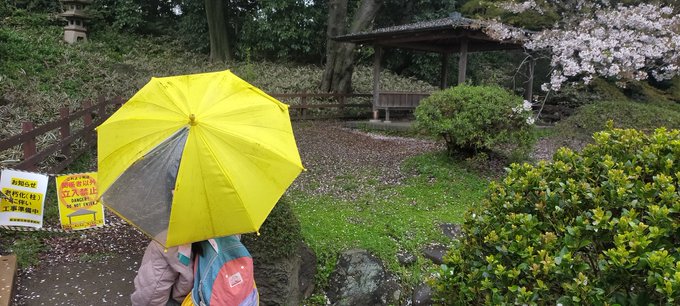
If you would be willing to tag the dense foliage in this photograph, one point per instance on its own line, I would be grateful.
(644, 116)
(279, 235)
(590, 228)
(476, 118)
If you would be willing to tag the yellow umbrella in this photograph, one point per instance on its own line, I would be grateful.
(199, 156)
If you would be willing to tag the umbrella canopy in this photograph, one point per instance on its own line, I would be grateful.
(201, 156)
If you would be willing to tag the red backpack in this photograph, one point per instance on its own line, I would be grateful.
(223, 274)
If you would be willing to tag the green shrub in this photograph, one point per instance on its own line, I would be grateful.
(279, 237)
(592, 228)
(645, 116)
(475, 118)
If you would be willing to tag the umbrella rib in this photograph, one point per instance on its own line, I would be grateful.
(250, 140)
(177, 110)
(145, 136)
(225, 98)
(170, 99)
(205, 191)
(226, 174)
(144, 153)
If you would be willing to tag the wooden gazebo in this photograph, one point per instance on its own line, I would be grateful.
(454, 34)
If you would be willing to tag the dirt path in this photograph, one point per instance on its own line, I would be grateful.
(92, 267)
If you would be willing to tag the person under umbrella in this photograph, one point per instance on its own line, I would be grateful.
(197, 159)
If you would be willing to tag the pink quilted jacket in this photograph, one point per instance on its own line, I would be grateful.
(161, 276)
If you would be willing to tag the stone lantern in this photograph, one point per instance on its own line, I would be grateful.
(74, 13)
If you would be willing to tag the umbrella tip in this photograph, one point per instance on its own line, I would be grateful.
(192, 119)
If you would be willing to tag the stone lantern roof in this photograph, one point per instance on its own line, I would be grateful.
(74, 8)
(74, 14)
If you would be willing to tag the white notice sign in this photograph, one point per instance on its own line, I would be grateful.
(23, 199)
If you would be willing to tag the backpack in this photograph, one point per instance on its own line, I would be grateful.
(223, 274)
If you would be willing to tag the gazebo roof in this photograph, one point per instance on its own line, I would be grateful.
(440, 35)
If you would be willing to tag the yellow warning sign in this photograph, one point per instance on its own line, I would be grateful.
(78, 205)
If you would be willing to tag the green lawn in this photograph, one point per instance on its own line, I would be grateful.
(396, 218)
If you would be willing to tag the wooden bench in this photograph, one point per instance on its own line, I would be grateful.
(389, 100)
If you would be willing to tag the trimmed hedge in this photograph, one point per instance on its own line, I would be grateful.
(476, 118)
(592, 228)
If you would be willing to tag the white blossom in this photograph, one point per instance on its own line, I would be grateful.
(619, 42)
(521, 7)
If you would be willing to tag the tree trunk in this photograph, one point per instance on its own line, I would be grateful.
(217, 28)
(337, 75)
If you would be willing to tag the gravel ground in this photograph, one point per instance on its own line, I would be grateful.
(546, 147)
(332, 154)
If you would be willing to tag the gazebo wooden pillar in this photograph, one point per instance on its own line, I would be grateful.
(462, 60)
(444, 71)
(377, 58)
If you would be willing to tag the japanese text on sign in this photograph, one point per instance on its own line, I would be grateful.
(78, 205)
(24, 198)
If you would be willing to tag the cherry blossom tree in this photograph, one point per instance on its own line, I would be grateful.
(611, 40)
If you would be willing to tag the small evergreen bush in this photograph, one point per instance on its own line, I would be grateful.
(280, 235)
(600, 227)
(476, 118)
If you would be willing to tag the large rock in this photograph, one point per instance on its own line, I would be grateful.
(307, 271)
(286, 281)
(422, 296)
(361, 279)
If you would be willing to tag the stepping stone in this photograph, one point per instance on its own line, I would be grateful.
(406, 258)
(435, 252)
(453, 231)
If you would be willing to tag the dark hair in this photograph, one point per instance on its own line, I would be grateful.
(196, 249)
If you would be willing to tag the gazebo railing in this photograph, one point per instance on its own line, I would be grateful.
(325, 105)
(399, 100)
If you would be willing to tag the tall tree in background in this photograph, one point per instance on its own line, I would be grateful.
(295, 30)
(337, 76)
(217, 27)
